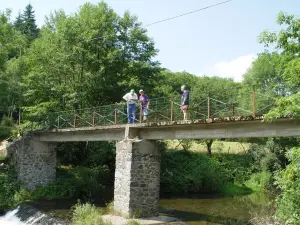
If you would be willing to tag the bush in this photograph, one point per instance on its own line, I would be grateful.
(88, 154)
(190, 172)
(8, 187)
(59, 189)
(288, 180)
(79, 182)
(86, 214)
(237, 168)
(260, 181)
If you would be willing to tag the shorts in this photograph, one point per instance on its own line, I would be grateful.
(184, 107)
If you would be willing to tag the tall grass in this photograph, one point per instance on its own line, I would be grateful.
(87, 214)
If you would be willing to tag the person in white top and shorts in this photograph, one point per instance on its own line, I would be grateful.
(131, 98)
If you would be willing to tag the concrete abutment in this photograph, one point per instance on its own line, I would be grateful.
(137, 178)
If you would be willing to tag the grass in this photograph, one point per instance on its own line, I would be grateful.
(219, 146)
(87, 214)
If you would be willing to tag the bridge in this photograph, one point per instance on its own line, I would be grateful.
(137, 175)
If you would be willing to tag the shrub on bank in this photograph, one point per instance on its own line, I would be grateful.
(262, 181)
(71, 183)
(87, 214)
(8, 187)
(288, 180)
(184, 172)
(78, 182)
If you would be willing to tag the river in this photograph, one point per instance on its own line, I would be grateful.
(201, 210)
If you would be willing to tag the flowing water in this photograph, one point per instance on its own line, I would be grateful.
(216, 210)
(203, 210)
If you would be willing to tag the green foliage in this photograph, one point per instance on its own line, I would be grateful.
(287, 43)
(87, 59)
(288, 180)
(262, 181)
(83, 182)
(7, 128)
(193, 172)
(27, 23)
(61, 188)
(286, 39)
(8, 187)
(265, 75)
(11, 41)
(87, 214)
(89, 154)
(235, 168)
(170, 83)
(285, 107)
(7, 122)
(71, 183)
(5, 132)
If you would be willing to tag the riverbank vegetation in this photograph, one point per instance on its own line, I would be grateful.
(92, 58)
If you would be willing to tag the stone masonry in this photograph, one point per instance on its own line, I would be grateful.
(137, 178)
(35, 162)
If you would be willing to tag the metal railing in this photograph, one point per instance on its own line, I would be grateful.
(161, 110)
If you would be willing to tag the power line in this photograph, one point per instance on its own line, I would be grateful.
(188, 13)
(171, 18)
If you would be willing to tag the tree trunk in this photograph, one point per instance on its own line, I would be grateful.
(208, 145)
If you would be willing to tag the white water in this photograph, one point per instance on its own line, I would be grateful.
(11, 218)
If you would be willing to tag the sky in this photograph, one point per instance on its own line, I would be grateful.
(220, 41)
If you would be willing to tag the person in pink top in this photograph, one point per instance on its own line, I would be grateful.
(144, 101)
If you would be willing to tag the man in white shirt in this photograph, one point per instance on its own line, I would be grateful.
(131, 98)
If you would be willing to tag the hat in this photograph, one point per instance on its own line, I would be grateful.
(141, 91)
(132, 91)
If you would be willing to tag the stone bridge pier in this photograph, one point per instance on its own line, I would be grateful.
(34, 161)
(137, 178)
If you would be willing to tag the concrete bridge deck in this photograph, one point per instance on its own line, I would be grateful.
(228, 128)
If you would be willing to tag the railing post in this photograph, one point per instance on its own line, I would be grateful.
(208, 107)
(93, 119)
(172, 108)
(116, 113)
(233, 109)
(253, 102)
(141, 112)
(58, 122)
(74, 119)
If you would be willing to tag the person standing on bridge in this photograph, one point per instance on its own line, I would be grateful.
(185, 102)
(131, 98)
(144, 101)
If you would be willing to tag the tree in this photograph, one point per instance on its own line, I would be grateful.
(266, 73)
(27, 23)
(88, 59)
(287, 39)
(287, 42)
(170, 82)
(11, 42)
(19, 23)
